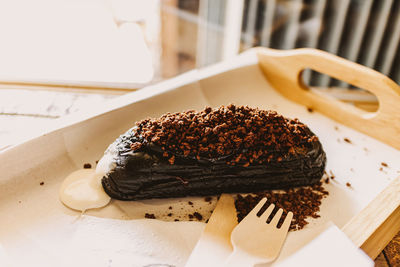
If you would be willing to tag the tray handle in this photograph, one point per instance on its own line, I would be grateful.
(283, 69)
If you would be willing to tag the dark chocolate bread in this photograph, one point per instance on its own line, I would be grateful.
(225, 150)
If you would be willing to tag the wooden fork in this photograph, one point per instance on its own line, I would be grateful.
(255, 241)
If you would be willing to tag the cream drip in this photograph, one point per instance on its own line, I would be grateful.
(82, 189)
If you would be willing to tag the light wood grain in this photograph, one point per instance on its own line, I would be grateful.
(283, 70)
(214, 245)
(374, 227)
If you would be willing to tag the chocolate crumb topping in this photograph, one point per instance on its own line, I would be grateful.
(241, 135)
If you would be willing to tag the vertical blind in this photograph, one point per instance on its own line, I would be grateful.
(363, 31)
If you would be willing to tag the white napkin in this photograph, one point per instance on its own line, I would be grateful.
(332, 248)
(4, 260)
(110, 243)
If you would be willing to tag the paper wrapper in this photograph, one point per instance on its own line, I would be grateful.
(36, 225)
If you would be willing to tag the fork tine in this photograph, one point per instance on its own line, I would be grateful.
(268, 212)
(277, 217)
(288, 220)
(257, 208)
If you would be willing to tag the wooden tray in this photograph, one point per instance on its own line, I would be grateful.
(35, 224)
(283, 70)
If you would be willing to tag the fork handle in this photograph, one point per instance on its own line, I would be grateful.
(239, 258)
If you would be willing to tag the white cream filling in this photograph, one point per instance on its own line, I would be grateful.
(82, 189)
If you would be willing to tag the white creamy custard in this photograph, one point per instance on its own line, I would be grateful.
(82, 189)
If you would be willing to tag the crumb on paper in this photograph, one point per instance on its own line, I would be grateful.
(384, 164)
(87, 166)
(198, 216)
(336, 128)
(310, 110)
(347, 140)
(348, 184)
(327, 180)
(149, 216)
(332, 175)
(41, 183)
(208, 199)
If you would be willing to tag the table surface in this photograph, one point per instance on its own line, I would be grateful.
(24, 111)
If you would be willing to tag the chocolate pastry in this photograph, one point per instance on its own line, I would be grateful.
(224, 150)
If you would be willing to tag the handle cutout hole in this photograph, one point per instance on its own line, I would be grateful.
(340, 90)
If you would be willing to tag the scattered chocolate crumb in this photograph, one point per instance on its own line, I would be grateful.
(149, 216)
(381, 169)
(183, 181)
(336, 128)
(170, 207)
(171, 160)
(198, 216)
(332, 175)
(384, 164)
(87, 166)
(190, 203)
(327, 180)
(97, 161)
(176, 220)
(347, 140)
(310, 110)
(207, 199)
(169, 214)
(41, 183)
(348, 184)
(304, 202)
